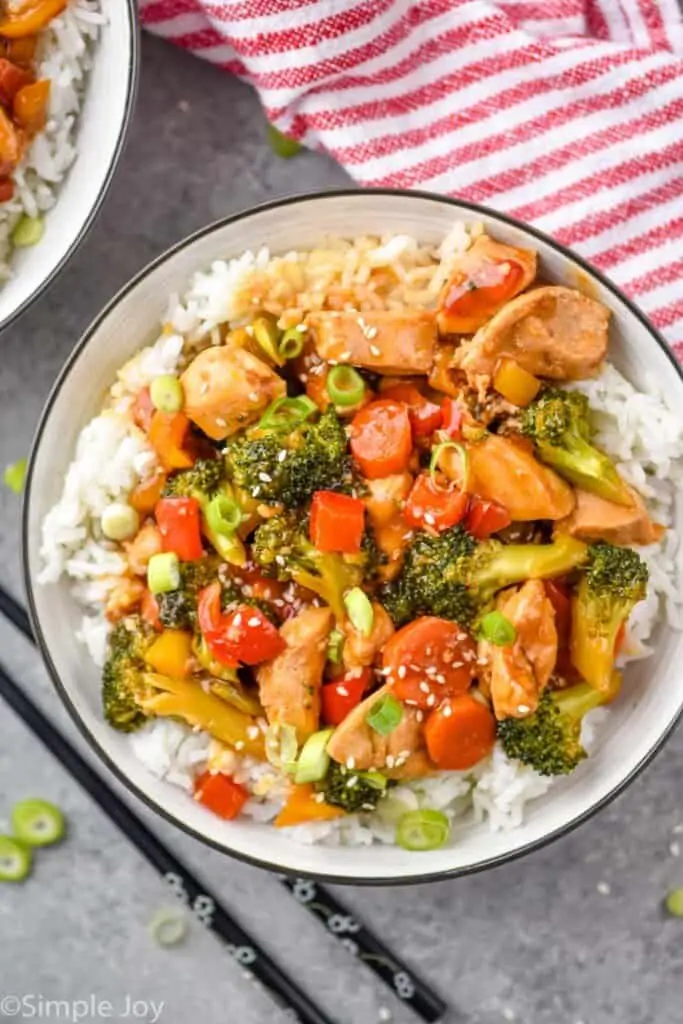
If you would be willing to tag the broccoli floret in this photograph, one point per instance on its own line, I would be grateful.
(454, 577)
(206, 480)
(354, 791)
(287, 466)
(122, 680)
(559, 423)
(549, 740)
(282, 548)
(178, 608)
(614, 581)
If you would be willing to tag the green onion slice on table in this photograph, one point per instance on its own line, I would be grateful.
(37, 822)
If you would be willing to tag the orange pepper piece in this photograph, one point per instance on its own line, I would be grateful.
(30, 105)
(146, 494)
(167, 432)
(30, 17)
(302, 806)
(170, 653)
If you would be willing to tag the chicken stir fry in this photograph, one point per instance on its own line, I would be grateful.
(378, 541)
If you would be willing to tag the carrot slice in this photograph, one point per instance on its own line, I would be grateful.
(429, 659)
(460, 733)
(302, 806)
(381, 438)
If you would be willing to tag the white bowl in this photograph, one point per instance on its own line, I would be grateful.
(636, 726)
(102, 127)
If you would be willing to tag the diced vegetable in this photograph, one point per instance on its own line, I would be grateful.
(473, 296)
(485, 517)
(345, 386)
(28, 232)
(223, 515)
(497, 629)
(281, 145)
(335, 646)
(170, 653)
(515, 383)
(282, 746)
(146, 494)
(120, 521)
(21, 50)
(15, 860)
(179, 521)
(30, 17)
(422, 830)
(14, 475)
(314, 760)
(166, 393)
(385, 715)
(452, 419)
(37, 822)
(267, 336)
(343, 695)
(163, 573)
(337, 522)
(437, 452)
(292, 343)
(425, 416)
(168, 927)
(429, 659)
(430, 506)
(30, 105)
(460, 733)
(167, 435)
(12, 78)
(287, 413)
(149, 609)
(304, 804)
(381, 438)
(360, 611)
(220, 794)
(242, 635)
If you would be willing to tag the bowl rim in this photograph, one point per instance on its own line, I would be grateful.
(132, 85)
(251, 859)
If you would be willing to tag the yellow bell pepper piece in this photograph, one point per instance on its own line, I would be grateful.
(170, 653)
(30, 17)
(514, 383)
(302, 806)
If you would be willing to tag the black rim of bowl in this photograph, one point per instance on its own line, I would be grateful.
(263, 862)
(131, 95)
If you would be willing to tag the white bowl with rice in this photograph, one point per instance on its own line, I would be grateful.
(509, 810)
(89, 53)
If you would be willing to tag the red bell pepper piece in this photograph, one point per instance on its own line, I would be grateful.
(180, 525)
(342, 696)
(220, 794)
(241, 635)
(452, 419)
(431, 506)
(486, 517)
(425, 416)
(337, 522)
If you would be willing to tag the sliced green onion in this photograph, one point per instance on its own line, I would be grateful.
(345, 386)
(28, 231)
(168, 927)
(120, 521)
(166, 393)
(14, 476)
(281, 746)
(281, 144)
(287, 413)
(163, 572)
(422, 830)
(223, 515)
(374, 779)
(674, 903)
(292, 343)
(497, 629)
(360, 611)
(37, 822)
(335, 645)
(15, 860)
(267, 334)
(314, 760)
(437, 452)
(385, 715)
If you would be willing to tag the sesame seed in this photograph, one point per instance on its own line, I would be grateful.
(429, 519)
(253, 396)
(238, 619)
(419, 715)
(282, 455)
(254, 621)
(253, 732)
(239, 745)
(375, 350)
(523, 709)
(221, 422)
(440, 678)
(350, 763)
(344, 355)
(402, 671)
(424, 686)
(370, 332)
(447, 711)
(353, 781)
(342, 691)
(204, 388)
(265, 478)
(390, 761)
(429, 650)
(319, 798)
(431, 700)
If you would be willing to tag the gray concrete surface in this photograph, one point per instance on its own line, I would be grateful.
(572, 934)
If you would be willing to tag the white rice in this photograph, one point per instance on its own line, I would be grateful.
(635, 427)
(65, 53)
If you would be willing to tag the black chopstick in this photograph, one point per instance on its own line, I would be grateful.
(183, 883)
(337, 919)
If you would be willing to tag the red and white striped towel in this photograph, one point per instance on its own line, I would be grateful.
(564, 113)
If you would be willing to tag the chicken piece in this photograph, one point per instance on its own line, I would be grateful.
(289, 685)
(551, 332)
(596, 519)
(400, 755)
(123, 598)
(384, 502)
(504, 470)
(442, 377)
(139, 550)
(226, 388)
(387, 341)
(359, 650)
(484, 278)
(520, 673)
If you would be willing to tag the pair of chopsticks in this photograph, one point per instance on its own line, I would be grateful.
(339, 922)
